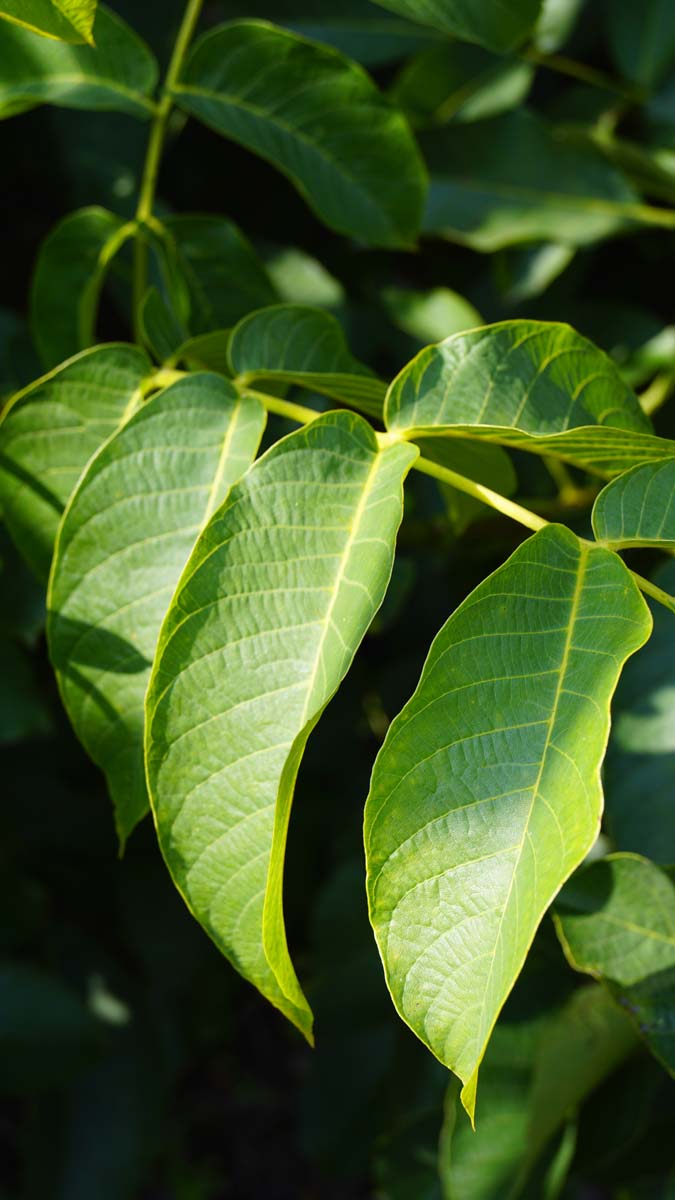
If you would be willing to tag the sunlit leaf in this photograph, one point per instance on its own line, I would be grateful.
(266, 619)
(50, 431)
(318, 118)
(118, 73)
(123, 542)
(484, 798)
(430, 316)
(69, 274)
(289, 343)
(638, 508)
(65, 20)
(533, 385)
(616, 921)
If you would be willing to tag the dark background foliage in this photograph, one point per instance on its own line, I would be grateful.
(134, 1062)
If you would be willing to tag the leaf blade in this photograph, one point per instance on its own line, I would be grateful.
(638, 508)
(488, 791)
(280, 655)
(65, 20)
(493, 25)
(299, 105)
(124, 539)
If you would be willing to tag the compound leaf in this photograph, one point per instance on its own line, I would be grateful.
(318, 118)
(290, 343)
(638, 508)
(274, 601)
(533, 385)
(122, 544)
(616, 921)
(69, 274)
(491, 23)
(49, 432)
(118, 73)
(484, 797)
(65, 20)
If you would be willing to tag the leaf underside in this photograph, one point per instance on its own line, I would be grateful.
(484, 796)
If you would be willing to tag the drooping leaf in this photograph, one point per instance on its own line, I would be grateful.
(516, 179)
(536, 1073)
(212, 273)
(161, 330)
(616, 921)
(640, 764)
(118, 73)
(484, 798)
(453, 81)
(641, 39)
(638, 508)
(124, 539)
(430, 316)
(534, 385)
(69, 274)
(290, 343)
(491, 23)
(50, 431)
(318, 118)
(275, 599)
(65, 20)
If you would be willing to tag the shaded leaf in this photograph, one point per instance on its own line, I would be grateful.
(484, 799)
(638, 508)
(616, 921)
(481, 461)
(491, 23)
(318, 118)
(118, 73)
(641, 39)
(534, 385)
(528, 271)
(66, 20)
(48, 434)
(267, 617)
(516, 179)
(453, 81)
(640, 765)
(161, 330)
(124, 539)
(290, 343)
(46, 1033)
(69, 274)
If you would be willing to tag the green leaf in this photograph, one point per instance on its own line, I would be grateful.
(536, 1073)
(484, 798)
(48, 434)
(270, 610)
(65, 20)
(457, 82)
(318, 118)
(534, 385)
(301, 279)
(118, 73)
(638, 508)
(516, 179)
(640, 765)
(641, 39)
(616, 921)
(206, 352)
(430, 316)
(527, 271)
(481, 461)
(69, 274)
(290, 343)
(161, 330)
(555, 23)
(491, 23)
(213, 274)
(124, 539)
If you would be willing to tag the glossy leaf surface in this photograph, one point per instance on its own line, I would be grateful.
(318, 118)
(638, 508)
(528, 384)
(616, 921)
(50, 431)
(290, 343)
(484, 799)
(515, 179)
(493, 24)
(69, 274)
(640, 764)
(65, 20)
(123, 542)
(276, 597)
(118, 73)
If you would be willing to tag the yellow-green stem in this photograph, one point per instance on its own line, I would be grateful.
(153, 155)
